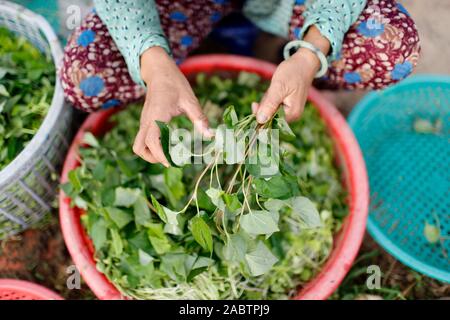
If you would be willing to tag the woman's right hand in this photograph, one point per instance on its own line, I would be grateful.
(169, 94)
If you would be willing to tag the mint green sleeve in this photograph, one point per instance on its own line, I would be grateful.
(134, 26)
(272, 16)
(333, 18)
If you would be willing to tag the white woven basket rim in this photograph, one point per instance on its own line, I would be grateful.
(27, 156)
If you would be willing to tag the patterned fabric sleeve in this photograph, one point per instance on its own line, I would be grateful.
(333, 18)
(134, 25)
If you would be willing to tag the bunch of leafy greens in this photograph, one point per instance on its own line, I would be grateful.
(27, 79)
(211, 231)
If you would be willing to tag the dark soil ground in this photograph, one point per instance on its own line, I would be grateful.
(398, 281)
(39, 255)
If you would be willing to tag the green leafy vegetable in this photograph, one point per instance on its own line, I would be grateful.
(202, 233)
(120, 217)
(278, 187)
(27, 79)
(259, 222)
(260, 260)
(126, 197)
(165, 141)
(213, 230)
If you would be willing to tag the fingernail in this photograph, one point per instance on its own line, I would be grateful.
(261, 117)
(254, 107)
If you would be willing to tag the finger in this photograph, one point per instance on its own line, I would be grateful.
(270, 103)
(140, 149)
(293, 107)
(153, 143)
(255, 107)
(194, 112)
(292, 113)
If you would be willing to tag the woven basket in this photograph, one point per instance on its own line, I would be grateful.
(28, 184)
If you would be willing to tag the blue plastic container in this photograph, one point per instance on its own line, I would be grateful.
(409, 170)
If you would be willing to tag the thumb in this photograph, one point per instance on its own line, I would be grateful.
(194, 112)
(270, 103)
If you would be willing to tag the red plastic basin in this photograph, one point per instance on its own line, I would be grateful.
(349, 156)
(11, 289)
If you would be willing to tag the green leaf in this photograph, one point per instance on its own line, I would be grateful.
(278, 187)
(144, 257)
(67, 188)
(116, 244)
(202, 233)
(126, 197)
(108, 197)
(173, 178)
(200, 265)
(204, 202)
(90, 140)
(99, 172)
(307, 211)
(159, 209)
(125, 167)
(141, 211)
(300, 206)
(431, 233)
(169, 217)
(216, 197)
(140, 240)
(98, 234)
(3, 91)
(165, 141)
(231, 201)
(79, 202)
(248, 79)
(283, 126)
(275, 204)
(173, 225)
(230, 117)
(157, 238)
(74, 179)
(260, 260)
(175, 266)
(259, 222)
(235, 248)
(262, 165)
(120, 217)
(202, 262)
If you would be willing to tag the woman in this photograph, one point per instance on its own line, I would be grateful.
(124, 46)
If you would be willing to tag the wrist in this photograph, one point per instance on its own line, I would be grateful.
(308, 61)
(312, 52)
(151, 60)
(314, 37)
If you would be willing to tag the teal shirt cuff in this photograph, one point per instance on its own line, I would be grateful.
(134, 27)
(134, 66)
(332, 20)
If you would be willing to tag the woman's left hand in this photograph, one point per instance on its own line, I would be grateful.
(289, 87)
(291, 81)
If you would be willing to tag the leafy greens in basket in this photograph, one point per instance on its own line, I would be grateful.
(27, 78)
(211, 231)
